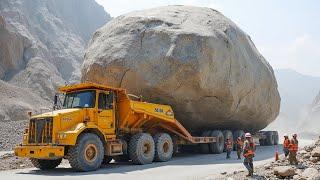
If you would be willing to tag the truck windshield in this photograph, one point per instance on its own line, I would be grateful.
(80, 99)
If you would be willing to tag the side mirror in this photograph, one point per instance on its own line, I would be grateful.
(55, 104)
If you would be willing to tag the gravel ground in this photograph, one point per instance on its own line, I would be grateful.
(11, 134)
(9, 161)
(266, 171)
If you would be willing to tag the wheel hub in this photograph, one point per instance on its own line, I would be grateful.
(91, 152)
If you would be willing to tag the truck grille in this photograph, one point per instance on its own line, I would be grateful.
(40, 130)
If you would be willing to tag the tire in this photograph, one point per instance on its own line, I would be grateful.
(276, 137)
(141, 148)
(227, 134)
(236, 134)
(163, 147)
(106, 160)
(45, 164)
(262, 142)
(87, 154)
(204, 147)
(217, 147)
(269, 141)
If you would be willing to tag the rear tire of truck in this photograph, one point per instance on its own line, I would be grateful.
(204, 147)
(270, 138)
(45, 164)
(87, 154)
(218, 146)
(227, 134)
(236, 134)
(163, 147)
(141, 148)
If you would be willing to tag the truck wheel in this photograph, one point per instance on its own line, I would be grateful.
(204, 147)
(227, 134)
(262, 142)
(236, 134)
(87, 154)
(276, 137)
(106, 160)
(45, 164)
(217, 147)
(141, 148)
(269, 141)
(163, 147)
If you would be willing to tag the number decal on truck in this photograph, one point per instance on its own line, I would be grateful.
(159, 110)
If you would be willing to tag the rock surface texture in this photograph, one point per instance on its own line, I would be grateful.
(192, 58)
(42, 45)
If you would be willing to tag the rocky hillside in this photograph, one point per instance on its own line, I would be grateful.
(295, 101)
(42, 44)
(310, 126)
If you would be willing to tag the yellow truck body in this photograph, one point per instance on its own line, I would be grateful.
(112, 116)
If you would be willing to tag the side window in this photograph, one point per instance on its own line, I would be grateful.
(102, 104)
(105, 100)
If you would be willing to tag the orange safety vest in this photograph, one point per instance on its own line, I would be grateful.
(286, 143)
(293, 146)
(239, 143)
(249, 151)
(229, 144)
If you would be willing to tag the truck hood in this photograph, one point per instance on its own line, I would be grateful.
(56, 113)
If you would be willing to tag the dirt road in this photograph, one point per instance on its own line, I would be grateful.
(183, 166)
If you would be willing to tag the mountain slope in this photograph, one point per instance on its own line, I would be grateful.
(42, 44)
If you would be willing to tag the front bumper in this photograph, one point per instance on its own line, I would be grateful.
(39, 152)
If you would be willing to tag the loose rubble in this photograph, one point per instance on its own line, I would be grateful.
(307, 169)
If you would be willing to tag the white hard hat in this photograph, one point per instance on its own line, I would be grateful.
(285, 135)
(247, 135)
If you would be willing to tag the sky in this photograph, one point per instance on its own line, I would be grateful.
(286, 32)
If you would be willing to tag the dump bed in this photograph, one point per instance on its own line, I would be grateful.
(137, 116)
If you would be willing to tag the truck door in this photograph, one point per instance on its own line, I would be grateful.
(106, 112)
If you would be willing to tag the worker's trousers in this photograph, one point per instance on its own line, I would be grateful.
(293, 157)
(248, 163)
(228, 153)
(286, 152)
(239, 153)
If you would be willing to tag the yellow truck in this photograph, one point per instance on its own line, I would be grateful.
(97, 123)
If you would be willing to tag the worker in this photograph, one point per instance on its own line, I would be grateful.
(228, 145)
(239, 147)
(293, 149)
(248, 153)
(286, 143)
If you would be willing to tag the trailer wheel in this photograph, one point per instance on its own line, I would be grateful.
(236, 134)
(269, 141)
(227, 134)
(87, 154)
(276, 137)
(45, 164)
(106, 160)
(163, 147)
(141, 148)
(204, 147)
(217, 147)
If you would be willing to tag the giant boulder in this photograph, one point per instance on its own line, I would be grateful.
(194, 59)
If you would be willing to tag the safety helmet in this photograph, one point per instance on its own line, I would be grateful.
(247, 135)
(285, 135)
(239, 137)
(294, 135)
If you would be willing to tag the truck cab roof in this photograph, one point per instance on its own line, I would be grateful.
(87, 85)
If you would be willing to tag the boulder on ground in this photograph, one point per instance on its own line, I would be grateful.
(194, 59)
(316, 152)
(310, 173)
(284, 171)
